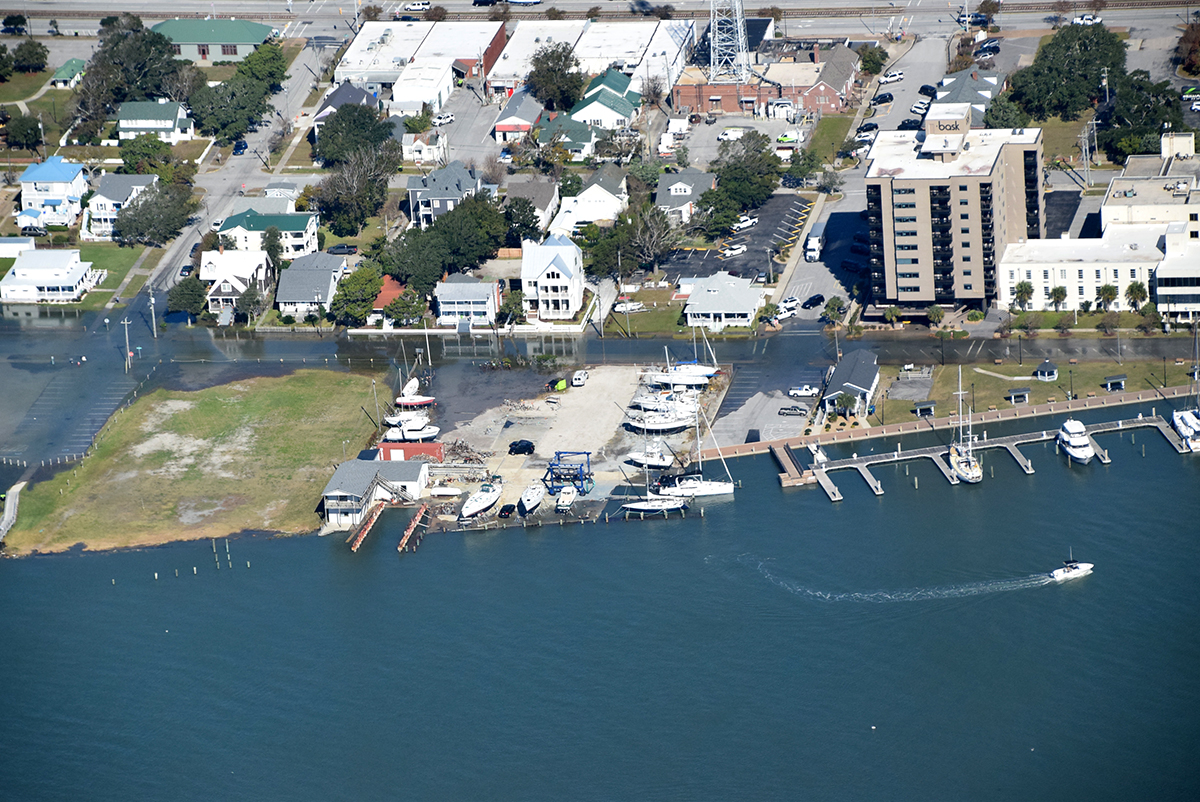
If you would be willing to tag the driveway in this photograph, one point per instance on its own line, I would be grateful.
(470, 134)
(924, 63)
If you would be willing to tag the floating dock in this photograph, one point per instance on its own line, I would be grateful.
(792, 474)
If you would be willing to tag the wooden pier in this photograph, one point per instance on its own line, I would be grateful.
(938, 453)
(359, 533)
(792, 474)
(413, 526)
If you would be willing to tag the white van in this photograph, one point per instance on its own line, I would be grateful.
(579, 378)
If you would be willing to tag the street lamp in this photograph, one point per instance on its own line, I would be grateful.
(1020, 353)
(344, 450)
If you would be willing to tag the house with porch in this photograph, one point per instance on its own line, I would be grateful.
(578, 139)
(467, 299)
(207, 40)
(48, 277)
(308, 284)
(112, 194)
(604, 196)
(231, 273)
(51, 193)
(298, 232)
(723, 300)
(608, 102)
(358, 485)
(344, 95)
(521, 114)
(552, 278)
(679, 193)
(69, 74)
(431, 196)
(856, 376)
(165, 120)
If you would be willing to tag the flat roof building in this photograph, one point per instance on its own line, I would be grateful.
(667, 53)
(472, 47)
(623, 44)
(944, 203)
(379, 54)
(528, 36)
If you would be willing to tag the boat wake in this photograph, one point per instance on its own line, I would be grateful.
(763, 567)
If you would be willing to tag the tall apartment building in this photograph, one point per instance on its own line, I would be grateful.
(944, 203)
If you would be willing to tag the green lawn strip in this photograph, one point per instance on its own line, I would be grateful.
(370, 231)
(291, 48)
(88, 153)
(1060, 138)
(132, 288)
(220, 73)
(190, 151)
(829, 135)
(1087, 321)
(254, 454)
(990, 391)
(5, 264)
(110, 257)
(21, 85)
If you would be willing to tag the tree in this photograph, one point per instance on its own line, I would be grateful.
(570, 185)
(1109, 323)
(54, 27)
(183, 83)
(227, 111)
(17, 22)
(346, 130)
(653, 91)
(513, 308)
(267, 65)
(646, 172)
(357, 188)
(835, 307)
(1106, 295)
(803, 167)
(6, 63)
(747, 170)
(1141, 110)
(436, 14)
(653, 236)
(500, 12)
(593, 12)
(1063, 326)
(143, 153)
(847, 403)
(1187, 51)
(1151, 319)
(553, 13)
(1096, 6)
(1030, 323)
(521, 216)
(187, 296)
(774, 12)
(1022, 293)
(249, 303)
(1058, 296)
(30, 56)
(356, 294)
(273, 245)
(1085, 306)
(1061, 10)
(372, 13)
(418, 258)
(156, 215)
(1003, 113)
(1135, 294)
(1065, 77)
(554, 77)
(892, 314)
(989, 9)
(681, 156)
(24, 132)
(872, 58)
(830, 182)
(935, 314)
(407, 308)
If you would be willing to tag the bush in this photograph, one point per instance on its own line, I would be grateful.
(288, 320)
(975, 316)
(59, 239)
(1109, 323)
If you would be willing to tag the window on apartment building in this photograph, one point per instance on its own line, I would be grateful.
(1012, 275)
(962, 202)
(906, 233)
(911, 260)
(904, 191)
(1062, 274)
(228, 50)
(968, 287)
(1195, 234)
(1115, 274)
(1133, 272)
(905, 220)
(904, 205)
(908, 275)
(1046, 292)
(1012, 291)
(1081, 290)
(966, 258)
(966, 272)
(964, 245)
(964, 216)
(909, 247)
(910, 289)
(1194, 217)
(964, 231)
(1098, 276)
(1081, 275)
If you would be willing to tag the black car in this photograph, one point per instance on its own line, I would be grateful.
(791, 182)
(928, 91)
(866, 127)
(859, 248)
(240, 147)
(879, 100)
(813, 302)
(343, 249)
(507, 510)
(520, 447)
(911, 124)
(851, 266)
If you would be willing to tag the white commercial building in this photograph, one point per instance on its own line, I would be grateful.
(379, 54)
(527, 38)
(1176, 289)
(50, 276)
(667, 54)
(423, 84)
(619, 44)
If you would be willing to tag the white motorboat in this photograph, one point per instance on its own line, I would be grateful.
(1073, 439)
(656, 504)
(665, 401)
(672, 378)
(531, 498)
(393, 435)
(410, 398)
(445, 492)
(652, 455)
(1071, 569)
(1187, 420)
(693, 484)
(403, 416)
(962, 460)
(482, 499)
(566, 497)
(661, 422)
(413, 429)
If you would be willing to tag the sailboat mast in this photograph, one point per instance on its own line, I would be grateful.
(721, 456)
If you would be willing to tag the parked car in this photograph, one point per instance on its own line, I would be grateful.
(791, 136)
(803, 391)
(789, 302)
(865, 127)
(860, 249)
(920, 107)
(928, 90)
(195, 248)
(813, 301)
(793, 411)
(405, 18)
(761, 278)
(972, 19)
(507, 510)
(744, 222)
(443, 119)
(240, 147)
(895, 76)
(985, 52)
(520, 447)
(865, 136)
(851, 266)
(1196, 106)
(736, 250)
(579, 378)
(1087, 19)
(909, 125)
(993, 42)
(505, 157)
(33, 231)
(343, 249)
(880, 100)
(185, 271)
(419, 5)
(216, 224)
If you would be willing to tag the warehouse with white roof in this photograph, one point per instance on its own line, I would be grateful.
(379, 54)
(624, 44)
(530, 35)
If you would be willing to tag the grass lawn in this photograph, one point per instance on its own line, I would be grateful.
(370, 232)
(55, 108)
(21, 85)
(829, 135)
(82, 153)
(314, 96)
(989, 390)
(190, 151)
(291, 48)
(222, 73)
(253, 455)
(1061, 138)
(1087, 322)
(653, 320)
(133, 288)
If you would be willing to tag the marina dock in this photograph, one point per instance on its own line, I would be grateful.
(413, 526)
(792, 474)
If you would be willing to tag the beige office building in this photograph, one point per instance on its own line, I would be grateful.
(944, 203)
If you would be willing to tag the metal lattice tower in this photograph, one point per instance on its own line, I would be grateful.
(729, 59)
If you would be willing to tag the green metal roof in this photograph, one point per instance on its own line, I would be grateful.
(148, 110)
(612, 79)
(618, 103)
(253, 221)
(69, 70)
(573, 132)
(213, 31)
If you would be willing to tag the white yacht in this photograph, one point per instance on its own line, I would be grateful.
(566, 497)
(693, 484)
(962, 460)
(482, 499)
(661, 422)
(652, 455)
(1071, 569)
(1187, 420)
(665, 401)
(531, 498)
(412, 429)
(1073, 439)
(654, 504)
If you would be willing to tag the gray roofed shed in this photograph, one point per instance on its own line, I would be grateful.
(354, 478)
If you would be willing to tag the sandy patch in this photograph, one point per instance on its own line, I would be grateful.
(196, 510)
(162, 412)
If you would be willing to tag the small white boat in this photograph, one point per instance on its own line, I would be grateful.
(694, 485)
(403, 416)
(393, 435)
(671, 378)
(655, 504)
(661, 422)
(1073, 439)
(409, 398)
(445, 492)
(1071, 569)
(652, 455)
(482, 499)
(531, 498)
(415, 429)
(566, 497)
(665, 401)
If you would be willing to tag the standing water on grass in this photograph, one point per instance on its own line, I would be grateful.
(905, 646)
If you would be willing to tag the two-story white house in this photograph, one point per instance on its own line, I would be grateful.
(166, 120)
(463, 298)
(309, 284)
(48, 276)
(113, 193)
(51, 193)
(298, 231)
(231, 273)
(552, 278)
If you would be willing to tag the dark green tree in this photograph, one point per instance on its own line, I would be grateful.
(156, 215)
(521, 216)
(1058, 296)
(989, 9)
(30, 56)
(1023, 293)
(6, 63)
(346, 130)
(1065, 77)
(1004, 113)
(1141, 110)
(512, 310)
(356, 294)
(227, 111)
(804, 166)
(249, 303)
(472, 231)
(147, 154)
(835, 307)
(570, 185)
(267, 65)
(187, 296)
(406, 309)
(417, 258)
(1106, 295)
(872, 58)
(17, 22)
(747, 170)
(1135, 294)
(554, 76)
(273, 245)
(23, 132)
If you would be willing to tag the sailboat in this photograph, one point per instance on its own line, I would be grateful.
(693, 484)
(1187, 420)
(482, 499)
(652, 455)
(410, 398)
(962, 459)
(531, 498)
(654, 504)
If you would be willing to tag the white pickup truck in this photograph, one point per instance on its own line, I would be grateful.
(803, 391)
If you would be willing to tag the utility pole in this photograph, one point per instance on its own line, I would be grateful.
(376, 394)
(1104, 82)
(125, 323)
(153, 325)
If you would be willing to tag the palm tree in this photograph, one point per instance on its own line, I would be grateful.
(1022, 293)
(936, 314)
(847, 403)
(1058, 296)
(1135, 293)
(1106, 295)
(892, 314)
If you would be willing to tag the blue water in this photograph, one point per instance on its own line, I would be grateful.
(782, 647)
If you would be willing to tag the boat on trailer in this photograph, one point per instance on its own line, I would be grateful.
(531, 498)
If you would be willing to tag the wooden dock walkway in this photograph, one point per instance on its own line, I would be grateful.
(792, 475)
(413, 525)
(359, 533)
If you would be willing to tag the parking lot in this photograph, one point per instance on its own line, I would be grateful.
(780, 219)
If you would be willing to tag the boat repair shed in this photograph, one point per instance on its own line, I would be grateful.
(357, 485)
